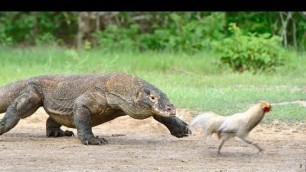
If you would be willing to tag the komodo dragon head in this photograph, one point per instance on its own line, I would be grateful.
(142, 98)
(156, 101)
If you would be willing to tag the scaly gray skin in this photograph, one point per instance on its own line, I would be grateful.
(84, 101)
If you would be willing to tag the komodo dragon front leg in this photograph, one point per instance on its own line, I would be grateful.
(176, 126)
(82, 120)
(23, 106)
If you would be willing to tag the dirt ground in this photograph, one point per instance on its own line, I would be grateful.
(146, 145)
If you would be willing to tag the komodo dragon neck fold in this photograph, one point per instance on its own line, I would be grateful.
(103, 91)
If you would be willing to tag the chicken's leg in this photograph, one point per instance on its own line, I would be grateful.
(250, 141)
(220, 146)
(223, 140)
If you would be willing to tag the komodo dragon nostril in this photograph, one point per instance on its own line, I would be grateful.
(169, 108)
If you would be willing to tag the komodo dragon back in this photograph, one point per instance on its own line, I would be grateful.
(123, 84)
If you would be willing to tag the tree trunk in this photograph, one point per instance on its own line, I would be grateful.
(84, 28)
(35, 27)
(284, 27)
(294, 34)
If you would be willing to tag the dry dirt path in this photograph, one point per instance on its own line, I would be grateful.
(146, 145)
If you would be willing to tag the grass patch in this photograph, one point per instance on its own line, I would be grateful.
(196, 81)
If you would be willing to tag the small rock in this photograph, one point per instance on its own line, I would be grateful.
(294, 130)
(259, 130)
(276, 122)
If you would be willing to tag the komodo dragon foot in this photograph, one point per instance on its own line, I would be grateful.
(176, 126)
(57, 132)
(93, 140)
(53, 129)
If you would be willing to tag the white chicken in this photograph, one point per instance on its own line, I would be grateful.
(226, 127)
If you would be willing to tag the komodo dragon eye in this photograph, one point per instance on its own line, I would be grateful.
(153, 98)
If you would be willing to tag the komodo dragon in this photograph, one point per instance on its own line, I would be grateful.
(84, 101)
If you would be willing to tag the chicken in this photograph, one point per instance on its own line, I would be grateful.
(237, 125)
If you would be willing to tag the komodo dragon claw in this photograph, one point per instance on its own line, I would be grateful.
(176, 126)
(94, 141)
(59, 133)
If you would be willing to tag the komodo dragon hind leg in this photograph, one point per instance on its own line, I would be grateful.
(23, 106)
(53, 129)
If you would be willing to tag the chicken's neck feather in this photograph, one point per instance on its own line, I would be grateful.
(254, 115)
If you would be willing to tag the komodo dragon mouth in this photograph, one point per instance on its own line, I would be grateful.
(169, 111)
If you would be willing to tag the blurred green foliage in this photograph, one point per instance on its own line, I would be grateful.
(187, 31)
(253, 52)
(254, 44)
(32, 28)
(177, 33)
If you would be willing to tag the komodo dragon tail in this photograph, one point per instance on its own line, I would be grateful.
(9, 92)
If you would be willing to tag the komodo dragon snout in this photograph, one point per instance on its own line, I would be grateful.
(158, 102)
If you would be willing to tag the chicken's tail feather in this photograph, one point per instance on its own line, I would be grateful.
(209, 121)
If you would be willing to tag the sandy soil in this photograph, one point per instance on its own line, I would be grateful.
(146, 145)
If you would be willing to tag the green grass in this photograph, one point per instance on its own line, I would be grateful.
(196, 81)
